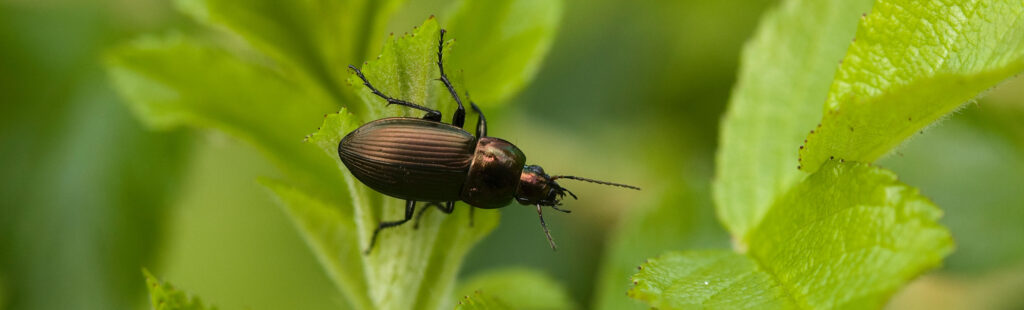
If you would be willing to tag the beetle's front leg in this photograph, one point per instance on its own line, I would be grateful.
(409, 207)
(432, 114)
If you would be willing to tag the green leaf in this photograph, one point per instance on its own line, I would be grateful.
(163, 296)
(681, 218)
(848, 236)
(176, 81)
(409, 267)
(502, 44)
(332, 236)
(912, 64)
(708, 280)
(979, 212)
(480, 301)
(406, 69)
(514, 288)
(313, 40)
(784, 76)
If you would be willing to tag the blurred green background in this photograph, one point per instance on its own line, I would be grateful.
(632, 91)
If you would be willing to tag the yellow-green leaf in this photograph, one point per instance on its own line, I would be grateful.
(848, 236)
(515, 288)
(912, 64)
(786, 68)
(409, 267)
(502, 44)
(164, 296)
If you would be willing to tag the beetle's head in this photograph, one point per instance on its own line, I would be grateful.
(538, 188)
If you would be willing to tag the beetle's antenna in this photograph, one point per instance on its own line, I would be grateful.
(545, 226)
(592, 181)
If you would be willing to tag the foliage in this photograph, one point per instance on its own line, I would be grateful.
(514, 288)
(911, 65)
(847, 235)
(287, 68)
(849, 221)
(164, 296)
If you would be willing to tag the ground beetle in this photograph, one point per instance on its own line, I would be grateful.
(423, 159)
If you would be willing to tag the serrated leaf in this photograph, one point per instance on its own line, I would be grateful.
(176, 81)
(163, 296)
(514, 288)
(502, 44)
(913, 63)
(847, 236)
(681, 218)
(332, 236)
(407, 69)
(480, 301)
(707, 280)
(784, 77)
(980, 212)
(409, 268)
(313, 40)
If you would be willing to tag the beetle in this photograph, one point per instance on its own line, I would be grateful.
(424, 159)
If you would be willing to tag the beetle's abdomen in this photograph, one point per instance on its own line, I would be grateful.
(409, 158)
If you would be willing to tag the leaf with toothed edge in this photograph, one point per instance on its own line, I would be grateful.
(290, 67)
(163, 296)
(784, 75)
(848, 236)
(912, 64)
(397, 273)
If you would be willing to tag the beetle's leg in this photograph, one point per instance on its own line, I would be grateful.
(459, 118)
(447, 209)
(432, 114)
(481, 122)
(409, 206)
(545, 226)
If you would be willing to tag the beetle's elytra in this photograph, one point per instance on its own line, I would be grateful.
(423, 159)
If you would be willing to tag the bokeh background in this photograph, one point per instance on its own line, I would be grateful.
(632, 91)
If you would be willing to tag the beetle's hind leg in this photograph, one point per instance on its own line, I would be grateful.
(432, 114)
(447, 209)
(409, 207)
(459, 118)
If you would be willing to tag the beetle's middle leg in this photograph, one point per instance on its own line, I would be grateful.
(409, 207)
(432, 114)
(447, 209)
(459, 117)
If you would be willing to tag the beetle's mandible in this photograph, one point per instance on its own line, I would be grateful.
(423, 159)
